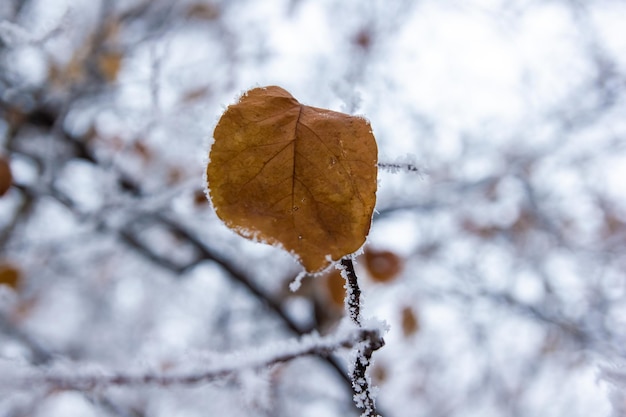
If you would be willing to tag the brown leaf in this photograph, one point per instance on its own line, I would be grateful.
(203, 11)
(6, 178)
(109, 64)
(293, 175)
(613, 225)
(141, 148)
(410, 322)
(10, 276)
(383, 266)
(63, 75)
(199, 198)
(328, 300)
(379, 374)
(335, 285)
(363, 39)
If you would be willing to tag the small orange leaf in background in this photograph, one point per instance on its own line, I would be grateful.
(335, 285)
(328, 300)
(292, 175)
(363, 39)
(6, 179)
(110, 64)
(199, 198)
(379, 374)
(383, 266)
(10, 275)
(410, 322)
(203, 11)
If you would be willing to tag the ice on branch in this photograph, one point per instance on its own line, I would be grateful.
(405, 163)
(616, 376)
(297, 281)
(196, 368)
(13, 35)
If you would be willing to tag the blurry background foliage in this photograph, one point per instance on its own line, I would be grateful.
(500, 269)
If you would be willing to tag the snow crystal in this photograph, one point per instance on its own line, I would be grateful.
(378, 325)
(297, 282)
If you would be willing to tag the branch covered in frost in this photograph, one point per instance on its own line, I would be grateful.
(616, 376)
(363, 397)
(13, 35)
(406, 163)
(353, 292)
(196, 369)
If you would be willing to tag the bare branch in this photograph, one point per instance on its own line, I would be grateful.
(353, 296)
(194, 371)
(395, 167)
(363, 397)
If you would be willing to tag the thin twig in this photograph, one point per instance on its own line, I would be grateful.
(395, 167)
(360, 381)
(231, 364)
(39, 355)
(353, 296)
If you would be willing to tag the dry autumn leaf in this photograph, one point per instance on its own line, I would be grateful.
(383, 266)
(328, 300)
(10, 276)
(293, 175)
(410, 322)
(199, 198)
(6, 179)
(335, 286)
(110, 64)
(203, 11)
(379, 374)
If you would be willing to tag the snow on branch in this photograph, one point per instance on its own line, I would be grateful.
(361, 383)
(615, 375)
(195, 369)
(13, 35)
(405, 163)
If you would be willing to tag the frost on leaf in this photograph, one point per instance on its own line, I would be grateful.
(292, 175)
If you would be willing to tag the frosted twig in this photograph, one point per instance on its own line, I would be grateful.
(360, 381)
(395, 167)
(81, 379)
(14, 35)
(406, 163)
(155, 87)
(353, 292)
(614, 375)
